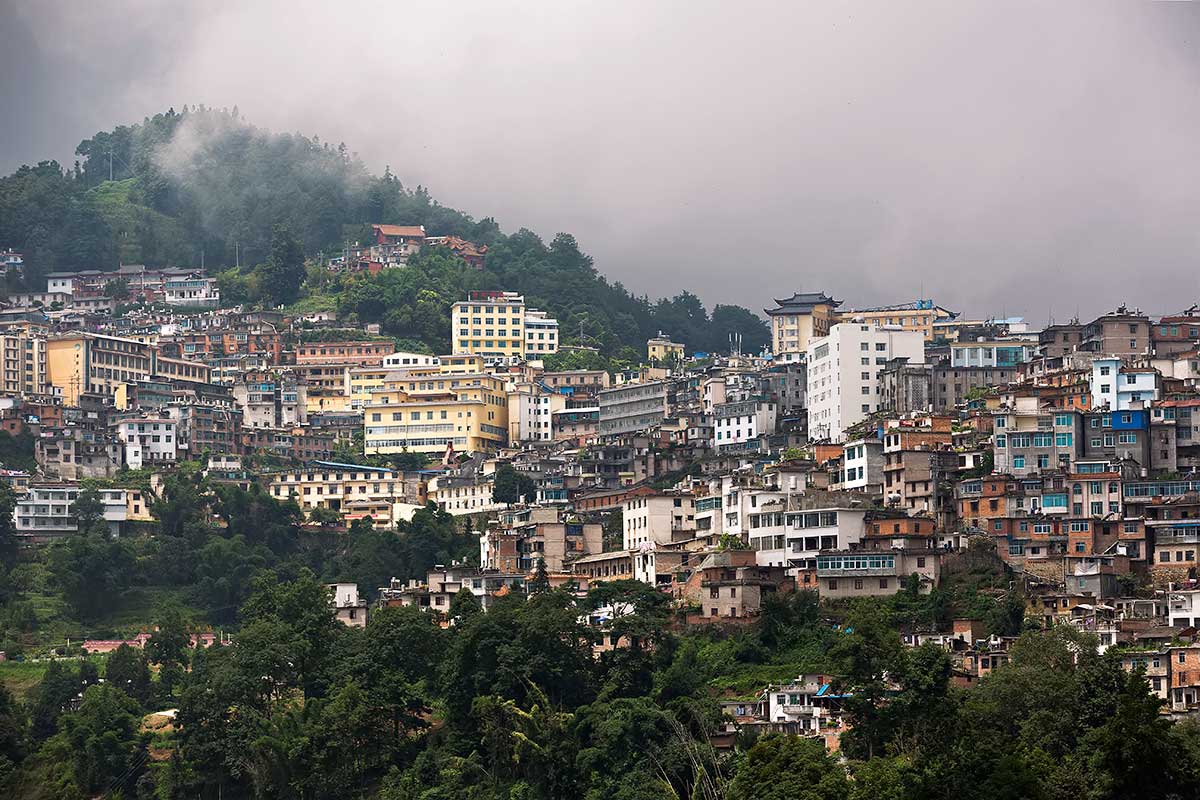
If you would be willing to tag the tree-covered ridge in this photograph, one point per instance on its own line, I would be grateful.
(204, 186)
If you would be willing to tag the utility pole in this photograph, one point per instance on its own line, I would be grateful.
(110, 172)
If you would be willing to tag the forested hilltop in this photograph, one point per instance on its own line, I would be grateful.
(204, 186)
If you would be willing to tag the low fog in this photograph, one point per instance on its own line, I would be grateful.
(1002, 159)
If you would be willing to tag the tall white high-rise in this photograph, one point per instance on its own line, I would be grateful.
(843, 373)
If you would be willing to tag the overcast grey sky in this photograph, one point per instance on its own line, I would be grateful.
(1001, 158)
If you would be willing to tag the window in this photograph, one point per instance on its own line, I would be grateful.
(1018, 462)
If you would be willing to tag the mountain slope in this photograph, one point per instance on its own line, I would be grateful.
(203, 185)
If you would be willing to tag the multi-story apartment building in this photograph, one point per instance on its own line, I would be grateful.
(518, 539)
(271, 399)
(661, 350)
(496, 325)
(658, 519)
(843, 370)
(1122, 333)
(919, 315)
(193, 290)
(1000, 353)
(47, 512)
(360, 354)
(797, 320)
(1120, 388)
(1055, 341)
(1175, 334)
(1029, 439)
(541, 334)
(203, 427)
(791, 535)
(531, 409)
(862, 466)
(574, 424)
(23, 370)
(632, 407)
(466, 411)
(147, 441)
(81, 363)
(580, 386)
(743, 424)
(952, 385)
(336, 486)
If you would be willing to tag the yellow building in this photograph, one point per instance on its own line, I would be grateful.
(497, 325)
(919, 315)
(490, 324)
(364, 380)
(661, 350)
(423, 413)
(89, 362)
(797, 320)
(23, 369)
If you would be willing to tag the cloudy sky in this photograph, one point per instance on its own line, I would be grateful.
(1005, 158)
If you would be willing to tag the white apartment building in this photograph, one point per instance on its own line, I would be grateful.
(843, 373)
(541, 334)
(862, 465)
(459, 496)
(192, 290)
(793, 539)
(739, 424)
(350, 609)
(409, 360)
(657, 519)
(1122, 389)
(530, 413)
(148, 441)
(47, 511)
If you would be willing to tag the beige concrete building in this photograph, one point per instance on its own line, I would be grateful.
(24, 370)
(797, 320)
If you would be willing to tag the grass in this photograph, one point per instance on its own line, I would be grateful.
(22, 678)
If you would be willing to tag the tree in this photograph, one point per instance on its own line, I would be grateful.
(789, 768)
(169, 642)
(8, 529)
(14, 734)
(88, 510)
(127, 669)
(283, 273)
(510, 486)
(103, 740)
(540, 584)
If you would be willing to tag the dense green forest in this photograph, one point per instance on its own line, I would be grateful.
(203, 186)
(512, 703)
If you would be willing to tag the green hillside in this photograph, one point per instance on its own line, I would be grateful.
(204, 184)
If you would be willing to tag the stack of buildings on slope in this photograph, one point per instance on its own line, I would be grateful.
(857, 457)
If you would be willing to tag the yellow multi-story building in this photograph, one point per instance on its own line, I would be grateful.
(92, 363)
(23, 370)
(497, 326)
(919, 315)
(424, 412)
(661, 350)
(490, 324)
(80, 363)
(797, 320)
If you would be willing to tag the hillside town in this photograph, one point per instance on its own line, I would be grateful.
(869, 451)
